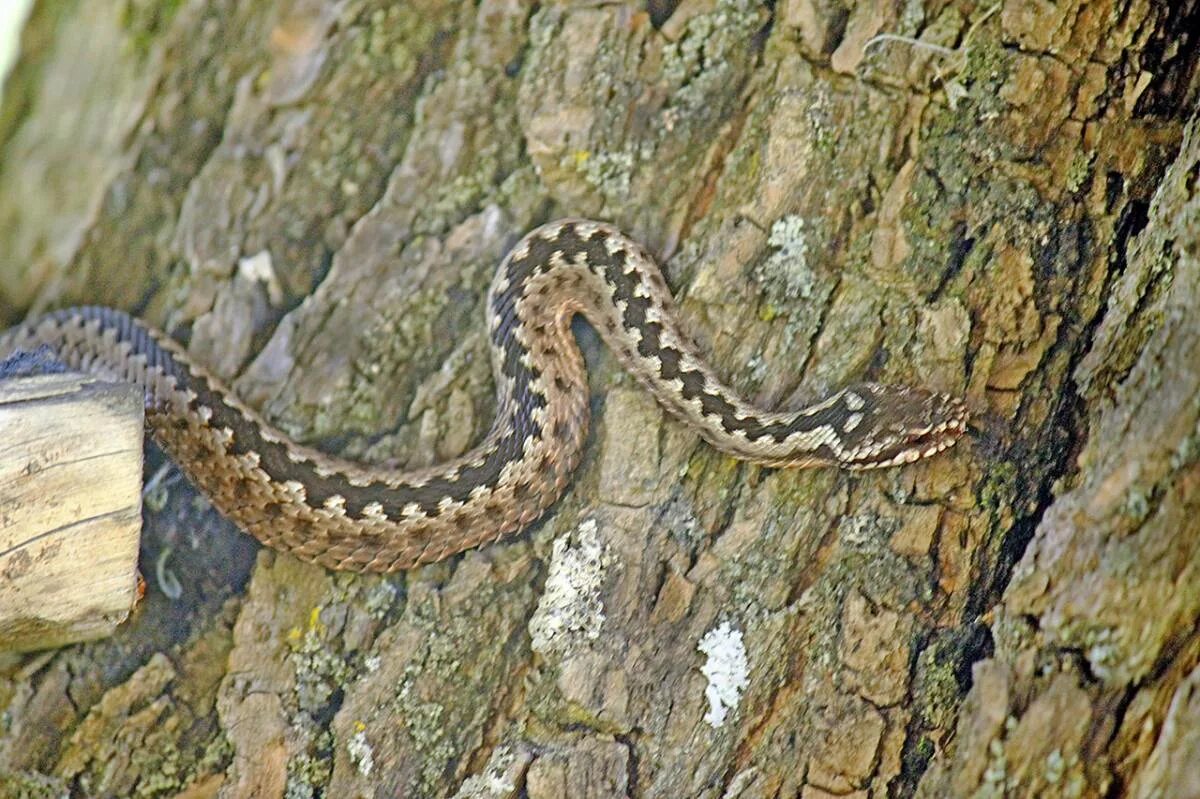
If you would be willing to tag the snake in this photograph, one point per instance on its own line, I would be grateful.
(347, 515)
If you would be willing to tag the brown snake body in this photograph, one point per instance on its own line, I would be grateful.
(346, 515)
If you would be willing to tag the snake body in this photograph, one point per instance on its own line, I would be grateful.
(346, 515)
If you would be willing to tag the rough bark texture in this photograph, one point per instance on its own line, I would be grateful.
(314, 195)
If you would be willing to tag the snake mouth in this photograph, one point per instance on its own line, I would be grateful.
(945, 423)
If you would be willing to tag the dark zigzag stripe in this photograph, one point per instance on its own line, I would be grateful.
(670, 363)
(273, 455)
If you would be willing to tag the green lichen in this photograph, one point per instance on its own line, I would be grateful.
(308, 774)
(320, 670)
(380, 598)
(1103, 651)
(610, 173)
(787, 274)
(869, 564)
(938, 694)
(217, 754)
(823, 127)
(1078, 170)
(31, 785)
(522, 192)
(462, 194)
(381, 50)
(495, 781)
(789, 281)
(392, 339)
(376, 595)
(796, 489)
(543, 27)
(702, 61)
(998, 486)
(424, 723)
(985, 69)
(963, 153)
(1109, 653)
(159, 763)
(449, 659)
(575, 714)
(1054, 767)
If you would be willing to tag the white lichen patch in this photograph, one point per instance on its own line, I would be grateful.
(361, 754)
(787, 270)
(789, 236)
(570, 610)
(726, 670)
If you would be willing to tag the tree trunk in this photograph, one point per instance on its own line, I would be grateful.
(313, 195)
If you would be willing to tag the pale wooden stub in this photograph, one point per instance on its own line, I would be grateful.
(70, 508)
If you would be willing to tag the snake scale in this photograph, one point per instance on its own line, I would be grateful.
(346, 515)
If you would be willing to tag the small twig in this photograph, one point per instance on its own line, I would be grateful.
(941, 50)
(880, 38)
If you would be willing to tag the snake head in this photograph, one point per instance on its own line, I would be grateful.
(894, 425)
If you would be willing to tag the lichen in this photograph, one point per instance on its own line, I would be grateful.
(450, 661)
(570, 611)
(160, 767)
(1000, 483)
(868, 563)
(495, 781)
(745, 161)
(308, 774)
(1105, 651)
(425, 722)
(1078, 170)
(360, 751)
(703, 58)
(937, 692)
(217, 753)
(821, 123)
(31, 785)
(609, 173)
(726, 670)
(319, 669)
(787, 270)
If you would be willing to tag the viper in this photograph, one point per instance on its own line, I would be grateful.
(347, 515)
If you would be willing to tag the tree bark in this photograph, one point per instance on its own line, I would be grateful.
(313, 196)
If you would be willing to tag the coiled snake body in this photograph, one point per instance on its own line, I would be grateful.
(346, 515)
